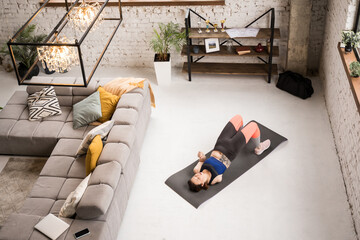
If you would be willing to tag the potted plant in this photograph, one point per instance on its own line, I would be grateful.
(350, 39)
(168, 36)
(355, 69)
(26, 54)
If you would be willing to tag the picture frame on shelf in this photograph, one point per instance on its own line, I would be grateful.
(212, 45)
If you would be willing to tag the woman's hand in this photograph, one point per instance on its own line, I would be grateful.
(201, 156)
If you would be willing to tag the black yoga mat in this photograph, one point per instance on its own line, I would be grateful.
(245, 160)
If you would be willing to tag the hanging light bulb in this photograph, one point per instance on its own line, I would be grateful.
(58, 58)
(83, 15)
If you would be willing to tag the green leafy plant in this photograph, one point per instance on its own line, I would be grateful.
(25, 54)
(349, 37)
(168, 36)
(355, 69)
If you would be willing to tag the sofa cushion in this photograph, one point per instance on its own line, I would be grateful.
(57, 166)
(108, 173)
(125, 116)
(37, 206)
(5, 129)
(12, 111)
(69, 132)
(90, 89)
(93, 154)
(108, 104)
(87, 110)
(18, 98)
(131, 100)
(43, 104)
(118, 152)
(61, 118)
(122, 134)
(66, 147)
(100, 191)
(101, 130)
(48, 129)
(73, 199)
(27, 223)
(95, 202)
(47, 187)
(77, 169)
(69, 185)
(56, 207)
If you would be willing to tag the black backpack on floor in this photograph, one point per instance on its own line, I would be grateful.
(295, 84)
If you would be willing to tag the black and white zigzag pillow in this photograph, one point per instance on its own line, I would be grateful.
(43, 104)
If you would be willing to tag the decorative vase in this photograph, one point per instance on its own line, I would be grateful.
(259, 48)
(163, 71)
(23, 70)
(348, 47)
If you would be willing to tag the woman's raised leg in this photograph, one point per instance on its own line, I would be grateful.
(232, 127)
(252, 131)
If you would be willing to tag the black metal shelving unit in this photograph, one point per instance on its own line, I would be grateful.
(266, 68)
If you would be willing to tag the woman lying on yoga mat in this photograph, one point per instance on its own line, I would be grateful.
(232, 138)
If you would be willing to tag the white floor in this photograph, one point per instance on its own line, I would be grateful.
(296, 192)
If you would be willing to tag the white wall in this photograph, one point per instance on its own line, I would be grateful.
(343, 113)
(130, 47)
(317, 27)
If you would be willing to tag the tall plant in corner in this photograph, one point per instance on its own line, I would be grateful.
(168, 36)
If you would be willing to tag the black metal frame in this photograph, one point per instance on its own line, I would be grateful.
(189, 41)
(58, 28)
(357, 29)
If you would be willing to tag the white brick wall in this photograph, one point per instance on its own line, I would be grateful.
(318, 18)
(344, 117)
(130, 46)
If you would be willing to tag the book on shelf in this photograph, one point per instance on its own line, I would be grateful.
(243, 50)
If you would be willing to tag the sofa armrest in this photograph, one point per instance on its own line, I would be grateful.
(100, 191)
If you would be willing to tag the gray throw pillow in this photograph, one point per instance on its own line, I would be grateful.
(87, 110)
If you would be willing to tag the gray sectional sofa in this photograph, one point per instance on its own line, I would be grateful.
(103, 204)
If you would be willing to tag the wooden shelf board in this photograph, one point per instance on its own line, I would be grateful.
(348, 58)
(264, 33)
(125, 3)
(224, 52)
(231, 68)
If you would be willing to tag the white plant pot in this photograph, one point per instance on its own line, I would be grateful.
(163, 72)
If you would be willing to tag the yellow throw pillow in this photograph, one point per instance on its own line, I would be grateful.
(93, 154)
(108, 104)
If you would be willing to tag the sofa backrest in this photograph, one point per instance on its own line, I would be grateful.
(68, 96)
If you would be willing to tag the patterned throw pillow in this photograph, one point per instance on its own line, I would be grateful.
(69, 207)
(101, 130)
(43, 104)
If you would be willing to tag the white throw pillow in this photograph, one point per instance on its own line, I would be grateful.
(69, 207)
(43, 104)
(101, 130)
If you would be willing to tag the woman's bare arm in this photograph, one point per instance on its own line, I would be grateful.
(217, 179)
(202, 159)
